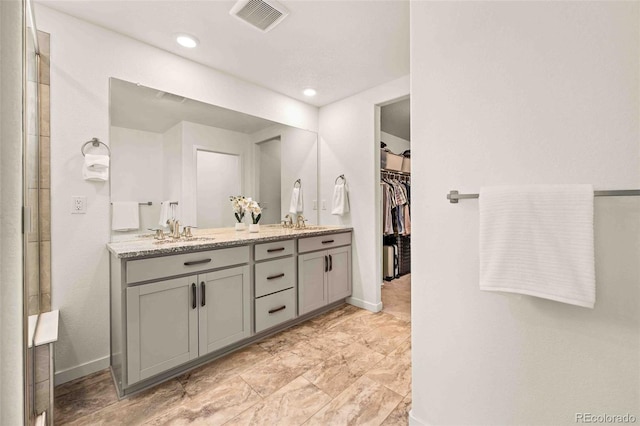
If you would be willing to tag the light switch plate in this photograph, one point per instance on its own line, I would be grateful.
(315, 204)
(78, 204)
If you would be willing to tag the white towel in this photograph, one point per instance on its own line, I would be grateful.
(125, 215)
(168, 210)
(95, 167)
(340, 204)
(538, 240)
(297, 203)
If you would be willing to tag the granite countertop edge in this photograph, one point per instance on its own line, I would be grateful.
(147, 246)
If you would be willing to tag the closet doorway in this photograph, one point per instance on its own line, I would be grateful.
(395, 207)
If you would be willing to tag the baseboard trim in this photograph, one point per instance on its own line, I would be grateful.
(373, 307)
(413, 421)
(81, 370)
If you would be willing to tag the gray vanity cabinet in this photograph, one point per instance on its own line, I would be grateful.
(224, 308)
(324, 276)
(162, 327)
(174, 321)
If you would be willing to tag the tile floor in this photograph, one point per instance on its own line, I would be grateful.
(347, 366)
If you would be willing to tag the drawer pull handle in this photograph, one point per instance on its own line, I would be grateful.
(328, 241)
(197, 262)
(273, 311)
(275, 249)
(273, 277)
(194, 296)
(203, 294)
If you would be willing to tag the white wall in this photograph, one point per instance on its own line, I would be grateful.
(350, 145)
(79, 111)
(299, 160)
(137, 174)
(520, 93)
(197, 136)
(268, 187)
(395, 144)
(11, 289)
(172, 165)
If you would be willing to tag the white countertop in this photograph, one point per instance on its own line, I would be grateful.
(203, 239)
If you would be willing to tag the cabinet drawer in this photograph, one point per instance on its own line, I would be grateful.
(323, 242)
(275, 309)
(188, 263)
(275, 275)
(274, 249)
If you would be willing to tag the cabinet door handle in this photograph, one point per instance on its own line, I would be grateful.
(203, 294)
(194, 296)
(275, 249)
(328, 241)
(273, 311)
(330, 263)
(197, 262)
(273, 277)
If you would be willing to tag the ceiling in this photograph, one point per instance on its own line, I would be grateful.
(142, 108)
(395, 119)
(337, 47)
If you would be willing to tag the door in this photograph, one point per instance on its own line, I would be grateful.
(339, 274)
(312, 291)
(218, 176)
(224, 304)
(162, 326)
(269, 180)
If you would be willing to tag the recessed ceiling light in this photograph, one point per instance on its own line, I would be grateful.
(309, 92)
(187, 40)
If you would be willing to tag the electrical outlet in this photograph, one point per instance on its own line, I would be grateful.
(78, 204)
(324, 204)
(315, 204)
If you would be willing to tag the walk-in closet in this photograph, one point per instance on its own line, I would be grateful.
(395, 203)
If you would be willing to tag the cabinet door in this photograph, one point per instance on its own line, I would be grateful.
(162, 327)
(339, 274)
(224, 304)
(312, 289)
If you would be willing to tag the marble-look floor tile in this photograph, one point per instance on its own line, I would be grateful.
(211, 407)
(272, 374)
(387, 337)
(338, 372)
(84, 396)
(137, 409)
(318, 349)
(393, 373)
(281, 342)
(337, 315)
(208, 375)
(363, 403)
(291, 405)
(362, 324)
(400, 415)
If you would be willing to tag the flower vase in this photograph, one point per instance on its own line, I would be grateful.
(240, 226)
(254, 227)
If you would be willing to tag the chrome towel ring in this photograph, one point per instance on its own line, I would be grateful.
(96, 143)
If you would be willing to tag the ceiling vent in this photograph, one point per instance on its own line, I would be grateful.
(260, 14)
(170, 97)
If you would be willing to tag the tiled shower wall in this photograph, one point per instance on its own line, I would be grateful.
(45, 174)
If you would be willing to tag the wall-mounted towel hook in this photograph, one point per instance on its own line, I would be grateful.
(297, 182)
(96, 143)
(340, 177)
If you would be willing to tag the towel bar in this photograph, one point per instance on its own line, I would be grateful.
(146, 203)
(454, 196)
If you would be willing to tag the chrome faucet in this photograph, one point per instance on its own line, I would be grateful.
(300, 222)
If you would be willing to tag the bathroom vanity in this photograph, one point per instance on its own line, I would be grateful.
(176, 304)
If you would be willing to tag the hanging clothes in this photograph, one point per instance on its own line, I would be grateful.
(396, 212)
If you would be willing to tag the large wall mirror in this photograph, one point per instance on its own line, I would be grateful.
(167, 148)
